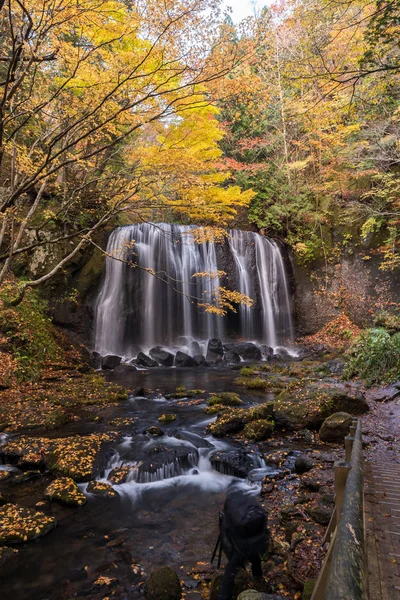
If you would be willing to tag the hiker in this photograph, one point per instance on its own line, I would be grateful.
(243, 537)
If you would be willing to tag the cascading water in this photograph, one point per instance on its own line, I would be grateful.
(137, 309)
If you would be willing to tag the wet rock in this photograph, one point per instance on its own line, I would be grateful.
(102, 489)
(266, 350)
(124, 369)
(95, 360)
(195, 348)
(307, 405)
(303, 463)
(145, 361)
(140, 392)
(184, 360)
(200, 360)
(231, 358)
(282, 353)
(119, 475)
(164, 462)
(167, 418)
(2, 499)
(290, 512)
(215, 351)
(164, 358)
(247, 350)
(336, 367)
(18, 525)
(6, 554)
(336, 427)
(154, 430)
(233, 462)
(65, 491)
(4, 474)
(110, 361)
(163, 584)
(26, 476)
(233, 420)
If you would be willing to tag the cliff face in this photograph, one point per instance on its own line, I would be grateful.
(355, 283)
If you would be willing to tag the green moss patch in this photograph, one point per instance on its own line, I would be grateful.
(225, 398)
(233, 421)
(167, 418)
(259, 430)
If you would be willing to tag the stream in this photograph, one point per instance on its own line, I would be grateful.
(166, 513)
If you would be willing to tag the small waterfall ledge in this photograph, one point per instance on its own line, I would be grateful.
(136, 310)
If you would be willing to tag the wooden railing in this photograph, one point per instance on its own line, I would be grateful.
(344, 573)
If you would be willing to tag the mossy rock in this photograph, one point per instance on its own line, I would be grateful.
(258, 430)
(119, 475)
(225, 399)
(307, 405)
(100, 488)
(31, 414)
(241, 582)
(215, 409)
(65, 491)
(336, 427)
(163, 584)
(233, 421)
(18, 525)
(167, 418)
(76, 456)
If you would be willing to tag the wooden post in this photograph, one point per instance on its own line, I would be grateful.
(353, 429)
(348, 444)
(341, 469)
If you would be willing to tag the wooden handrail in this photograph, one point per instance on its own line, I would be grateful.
(344, 573)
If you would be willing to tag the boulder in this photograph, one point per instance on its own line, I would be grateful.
(184, 360)
(163, 584)
(303, 463)
(258, 430)
(336, 367)
(266, 350)
(247, 350)
(307, 405)
(281, 352)
(336, 427)
(163, 357)
(195, 348)
(124, 369)
(155, 431)
(65, 491)
(231, 358)
(110, 361)
(99, 488)
(145, 361)
(215, 351)
(95, 360)
(234, 462)
(200, 360)
(19, 525)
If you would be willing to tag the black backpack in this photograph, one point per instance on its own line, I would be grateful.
(242, 526)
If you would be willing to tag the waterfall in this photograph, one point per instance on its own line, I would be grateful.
(149, 295)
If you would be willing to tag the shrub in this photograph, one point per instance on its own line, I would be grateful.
(375, 356)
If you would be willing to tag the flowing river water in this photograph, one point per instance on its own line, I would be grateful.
(167, 516)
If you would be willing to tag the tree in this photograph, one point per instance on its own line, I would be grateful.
(82, 85)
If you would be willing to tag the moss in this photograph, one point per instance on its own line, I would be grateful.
(248, 371)
(99, 488)
(233, 421)
(167, 418)
(215, 409)
(225, 399)
(308, 589)
(163, 584)
(258, 430)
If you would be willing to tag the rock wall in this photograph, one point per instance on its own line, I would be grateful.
(355, 284)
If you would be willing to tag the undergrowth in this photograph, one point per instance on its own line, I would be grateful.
(375, 357)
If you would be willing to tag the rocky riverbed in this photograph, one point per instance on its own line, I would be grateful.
(113, 479)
